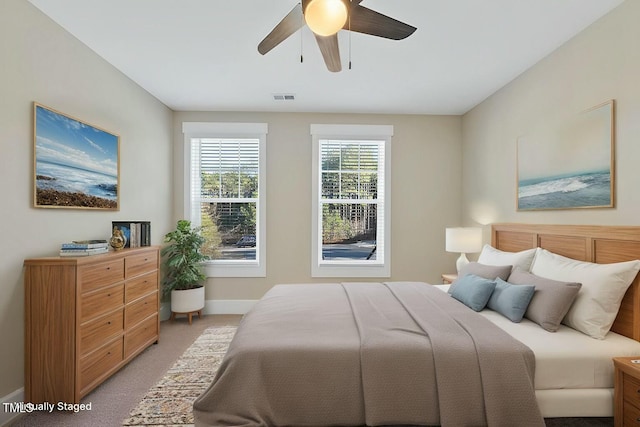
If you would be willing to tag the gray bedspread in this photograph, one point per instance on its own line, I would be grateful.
(354, 354)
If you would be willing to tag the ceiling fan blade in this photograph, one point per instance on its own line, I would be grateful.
(330, 51)
(289, 25)
(370, 22)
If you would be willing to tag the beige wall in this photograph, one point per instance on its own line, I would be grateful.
(425, 193)
(601, 63)
(42, 62)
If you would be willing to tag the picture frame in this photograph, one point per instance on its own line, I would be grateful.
(569, 165)
(76, 165)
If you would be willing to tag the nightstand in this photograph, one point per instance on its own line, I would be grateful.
(449, 278)
(627, 391)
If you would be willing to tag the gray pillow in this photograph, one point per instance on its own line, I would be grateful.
(482, 270)
(473, 291)
(551, 300)
(511, 300)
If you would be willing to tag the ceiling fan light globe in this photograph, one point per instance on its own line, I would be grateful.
(325, 17)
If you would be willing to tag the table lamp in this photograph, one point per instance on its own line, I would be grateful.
(463, 240)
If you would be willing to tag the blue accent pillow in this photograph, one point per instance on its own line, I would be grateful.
(511, 300)
(473, 291)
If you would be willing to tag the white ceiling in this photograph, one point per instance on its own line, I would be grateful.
(201, 55)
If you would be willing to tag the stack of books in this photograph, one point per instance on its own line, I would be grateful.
(84, 248)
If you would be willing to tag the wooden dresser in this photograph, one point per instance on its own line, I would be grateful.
(85, 318)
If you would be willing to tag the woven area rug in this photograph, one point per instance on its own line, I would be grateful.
(170, 401)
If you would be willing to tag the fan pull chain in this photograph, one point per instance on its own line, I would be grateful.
(349, 17)
(301, 31)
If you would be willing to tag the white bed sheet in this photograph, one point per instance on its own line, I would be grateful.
(567, 359)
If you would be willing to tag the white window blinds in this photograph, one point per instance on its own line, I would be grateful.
(225, 169)
(350, 200)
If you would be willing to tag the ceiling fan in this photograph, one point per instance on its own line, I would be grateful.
(326, 17)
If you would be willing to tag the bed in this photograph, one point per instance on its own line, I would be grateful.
(307, 354)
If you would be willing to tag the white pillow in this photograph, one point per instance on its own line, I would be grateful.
(603, 287)
(493, 256)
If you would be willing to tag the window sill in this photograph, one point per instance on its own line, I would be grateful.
(238, 270)
(350, 270)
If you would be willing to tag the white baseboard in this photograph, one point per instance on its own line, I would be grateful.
(228, 306)
(15, 397)
(215, 306)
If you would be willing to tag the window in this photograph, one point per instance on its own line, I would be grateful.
(351, 171)
(224, 194)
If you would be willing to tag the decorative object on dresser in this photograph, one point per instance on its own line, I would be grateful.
(85, 318)
(627, 391)
(463, 240)
(136, 233)
(117, 240)
(183, 275)
(64, 180)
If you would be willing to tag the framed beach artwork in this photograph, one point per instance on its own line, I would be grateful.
(76, 165)
(569, 165)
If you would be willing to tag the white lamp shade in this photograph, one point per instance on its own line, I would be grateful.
(463, 239)
(325, 17)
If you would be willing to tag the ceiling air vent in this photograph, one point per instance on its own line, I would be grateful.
(284, 97)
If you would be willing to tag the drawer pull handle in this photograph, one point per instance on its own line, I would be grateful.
(109, 322)
(108, 268)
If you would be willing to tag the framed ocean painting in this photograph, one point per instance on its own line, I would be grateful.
(569, 165)
(76, 165)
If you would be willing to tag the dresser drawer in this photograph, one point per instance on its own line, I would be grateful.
(96, 332)
(98, 363)
(138, 310)
(630, 415)
(140, 335)
(91, 277)
(140, 263)
(101, 301)
(140, 286)
(631, 390)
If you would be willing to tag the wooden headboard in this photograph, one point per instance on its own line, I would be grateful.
(602, 244)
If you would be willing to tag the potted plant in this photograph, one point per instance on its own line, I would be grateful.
(183, 272)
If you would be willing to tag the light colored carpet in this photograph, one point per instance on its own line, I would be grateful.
(170, 401)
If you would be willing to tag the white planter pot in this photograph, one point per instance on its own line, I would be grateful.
(188, 300)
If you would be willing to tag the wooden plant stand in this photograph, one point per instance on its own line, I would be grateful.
(189, 315)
